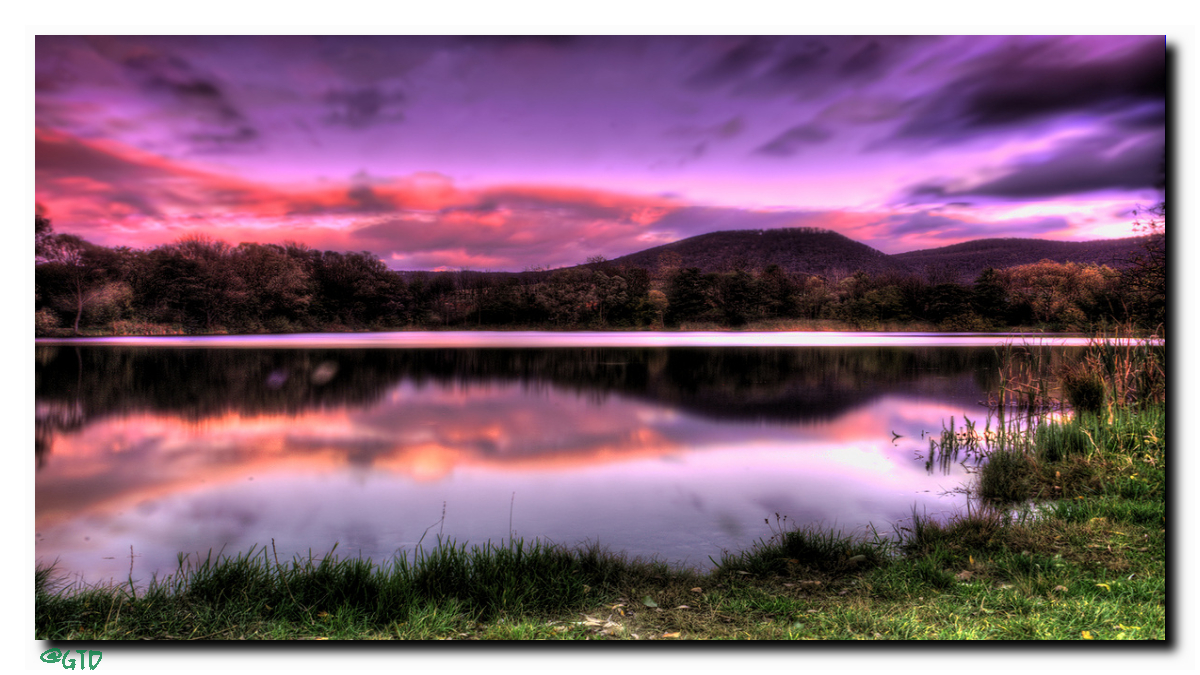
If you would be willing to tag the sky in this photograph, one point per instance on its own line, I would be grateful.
(510, 153)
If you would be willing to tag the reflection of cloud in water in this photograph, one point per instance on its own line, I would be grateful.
(635, 474)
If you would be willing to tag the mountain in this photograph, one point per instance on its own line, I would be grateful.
(824, 253)
(963, 262)
(810, 251)
(796, 250)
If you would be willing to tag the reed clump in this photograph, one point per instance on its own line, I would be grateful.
(1108, 414)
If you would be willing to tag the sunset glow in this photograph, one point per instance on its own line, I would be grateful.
(504, 153)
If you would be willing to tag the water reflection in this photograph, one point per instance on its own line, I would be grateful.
(677, 453)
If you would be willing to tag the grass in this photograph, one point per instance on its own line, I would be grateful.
(1088, 563)
(1091, 568)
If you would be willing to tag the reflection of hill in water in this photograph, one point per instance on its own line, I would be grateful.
(786, 384)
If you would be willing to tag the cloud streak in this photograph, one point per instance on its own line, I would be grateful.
(1033, 80)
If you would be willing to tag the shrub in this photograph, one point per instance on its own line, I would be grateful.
(1006, 477)
(45, 322)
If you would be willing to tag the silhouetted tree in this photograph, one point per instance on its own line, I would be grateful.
(1147, 278)
(687, 296)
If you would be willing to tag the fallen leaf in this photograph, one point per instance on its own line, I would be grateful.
(963, 575)
(697, 590)
(649, 602)
(670, 635)
(1104, 586)
(1061, 589)
(683, 607)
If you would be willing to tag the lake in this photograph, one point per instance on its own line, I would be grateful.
(669, 445)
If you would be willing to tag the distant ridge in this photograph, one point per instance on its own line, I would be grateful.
(964, 262)
(797, 250)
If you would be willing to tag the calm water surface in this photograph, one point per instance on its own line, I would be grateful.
(373, 442)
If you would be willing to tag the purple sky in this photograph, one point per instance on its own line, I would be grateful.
(504, 153)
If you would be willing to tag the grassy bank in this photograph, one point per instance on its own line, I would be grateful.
(1086, 561)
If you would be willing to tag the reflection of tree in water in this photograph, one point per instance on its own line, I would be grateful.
(817, 383)
(75, 385)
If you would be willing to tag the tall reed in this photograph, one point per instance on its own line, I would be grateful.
(1105, 403)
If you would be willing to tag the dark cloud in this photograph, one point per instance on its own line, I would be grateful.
(803, 66)
(364, 199)
(799, 62)
(794, 140)
(865, 59)
(699, 139)
(214, 141)
(734, 65)
(173, 80)
(363, 107)
(1037, 80)
(558, 41)
(1082, 165)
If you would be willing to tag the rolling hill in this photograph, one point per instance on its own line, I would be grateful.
(796, 250)
(963, 262)
(824, 253)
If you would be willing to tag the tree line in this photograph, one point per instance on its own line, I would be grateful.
(201, 285)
